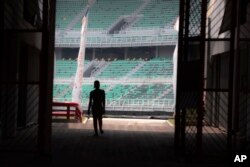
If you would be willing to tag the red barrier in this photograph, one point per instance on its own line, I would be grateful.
(76, 112)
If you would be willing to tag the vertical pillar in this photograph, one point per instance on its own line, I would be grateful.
(157, 51)
(46, 78)
(178, 85)
(58, 53)
(125, 53)
(231, 75)
(236, 78)
(201, 77)
(93, 54)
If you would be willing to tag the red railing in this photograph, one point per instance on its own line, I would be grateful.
(66, 110)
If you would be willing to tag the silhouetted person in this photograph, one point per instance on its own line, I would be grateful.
(97, 105)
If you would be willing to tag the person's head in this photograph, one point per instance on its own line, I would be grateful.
(97, 84)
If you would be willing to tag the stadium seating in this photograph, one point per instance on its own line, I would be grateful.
(86, 89)
(66, 68)
(153, 26)
(155, 68)
(121, 94)
(157, 16)
(118, 91)
(66, 11)
(158, 13)
(147, 91)
(105, 12)
(63, 92)
(118, 68)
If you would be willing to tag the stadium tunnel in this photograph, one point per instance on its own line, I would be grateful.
(186, 60)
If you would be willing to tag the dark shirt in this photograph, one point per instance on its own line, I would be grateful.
(97, 101)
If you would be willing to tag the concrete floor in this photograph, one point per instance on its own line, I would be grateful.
(125, 142)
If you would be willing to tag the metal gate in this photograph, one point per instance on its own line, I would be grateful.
(207, 116)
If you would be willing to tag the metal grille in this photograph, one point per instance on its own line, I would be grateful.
(194, 19)
(215, 37)
(188, 79)
(204, 120)
(215, 123)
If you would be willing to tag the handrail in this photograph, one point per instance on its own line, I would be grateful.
(90, 80)
(125, 102)
(67, 112)
(119, 41)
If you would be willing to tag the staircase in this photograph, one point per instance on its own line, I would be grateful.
(134, 16)
(111, 87)
(88, 69)
(100, 68)
(77, 18)
(164, 93)
(135, 69)
(130, 19)
(141, 7)
(132, 90)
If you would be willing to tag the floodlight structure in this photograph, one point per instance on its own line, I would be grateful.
(77, 86)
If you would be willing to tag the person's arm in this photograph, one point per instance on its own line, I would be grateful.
(90, 102)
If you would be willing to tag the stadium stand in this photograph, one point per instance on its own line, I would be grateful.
(158, 13)
(155, 68)
(64, 12)
(118, 68)
(121, 94)
(119, 91)
(66, 68)
(153, 24)
(105, 12)
(145, 83)
(62, 92)
(146, 91)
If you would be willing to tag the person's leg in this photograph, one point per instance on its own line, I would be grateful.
(100, 123)
(95, 125)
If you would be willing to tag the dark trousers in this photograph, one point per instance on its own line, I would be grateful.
(99, 120)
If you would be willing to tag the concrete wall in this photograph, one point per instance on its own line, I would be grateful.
(19, 63)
